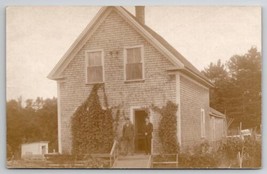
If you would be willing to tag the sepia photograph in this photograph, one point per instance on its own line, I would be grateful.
(134, 87)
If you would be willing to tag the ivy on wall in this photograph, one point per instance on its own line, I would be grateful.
(92, 126)
(168, 127)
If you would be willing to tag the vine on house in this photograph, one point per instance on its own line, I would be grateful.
(168, 127)
(92, 126)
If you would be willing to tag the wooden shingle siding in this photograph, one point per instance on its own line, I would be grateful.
(217, 128)
(194, 97)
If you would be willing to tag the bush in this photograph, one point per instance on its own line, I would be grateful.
(252, 152)
(71, 160)
(250, 147)
(224, 155)
(230, 147)
(168, 127)
(92, 127)
(201, 156)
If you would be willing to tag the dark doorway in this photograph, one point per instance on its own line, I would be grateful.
(139, 122)
(43, 150)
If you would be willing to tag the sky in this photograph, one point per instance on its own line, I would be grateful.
(37, 37)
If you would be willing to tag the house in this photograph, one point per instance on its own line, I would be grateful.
(34, 149)
(138, 68)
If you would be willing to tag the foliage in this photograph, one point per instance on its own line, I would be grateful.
(237, 89)
(70, 160)
(168, 127)
(249, 147)
(231, 146)
(218, 75)
(116, 123)
(252, 150)
(224, 154)
(92, 126)
(201, 156)
(37, 121)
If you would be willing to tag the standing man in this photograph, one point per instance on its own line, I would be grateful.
(148, 129)
(128, 136)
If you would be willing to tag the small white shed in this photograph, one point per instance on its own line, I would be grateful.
(34, 149)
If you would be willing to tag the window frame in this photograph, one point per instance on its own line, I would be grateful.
(202, 123)
(213, 128)
(86, 66)
(125, 62)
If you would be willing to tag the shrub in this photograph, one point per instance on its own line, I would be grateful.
(200, 156)
(230, 147)
(168, 127)
(63, 160)
(92, 126)
(249, 147)
(252, 153)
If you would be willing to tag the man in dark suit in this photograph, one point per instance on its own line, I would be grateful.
(128, 136)
(148, 129)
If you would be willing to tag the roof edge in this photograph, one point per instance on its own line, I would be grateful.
(195, 76)
(53, 75)
(216, 113)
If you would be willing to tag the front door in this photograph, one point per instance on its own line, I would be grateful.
(139, 122)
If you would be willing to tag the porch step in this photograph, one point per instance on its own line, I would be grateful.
(134, 161)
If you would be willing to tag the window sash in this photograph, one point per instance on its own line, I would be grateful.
(134, 71)
(94, 74)
(94, 67)
(134, 64)
(94, 58)
(134, 55)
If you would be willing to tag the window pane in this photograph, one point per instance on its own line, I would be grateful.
(129, 55)
(134, 71)
(134, 55)
(95, 74)
(94, 58)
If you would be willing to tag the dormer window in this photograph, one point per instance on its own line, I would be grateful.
(94, 66)
(134, 63)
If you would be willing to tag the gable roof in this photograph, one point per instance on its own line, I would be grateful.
(179, 56)
(215, 113)
(174, 56)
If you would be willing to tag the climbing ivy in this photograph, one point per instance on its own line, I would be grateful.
(92, 126)
(168, 127)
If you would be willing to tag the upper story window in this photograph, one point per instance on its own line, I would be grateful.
(134, 63)
(94, 66)
(203, 123)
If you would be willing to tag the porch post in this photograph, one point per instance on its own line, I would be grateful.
(178, 102)
(59, 118)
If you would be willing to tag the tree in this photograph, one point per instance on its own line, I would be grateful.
(31, 123)
(218, 75)
(14, 129)
(238, 88)
(245, 103)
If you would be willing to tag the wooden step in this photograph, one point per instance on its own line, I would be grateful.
(133, 157)
(135, 161)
